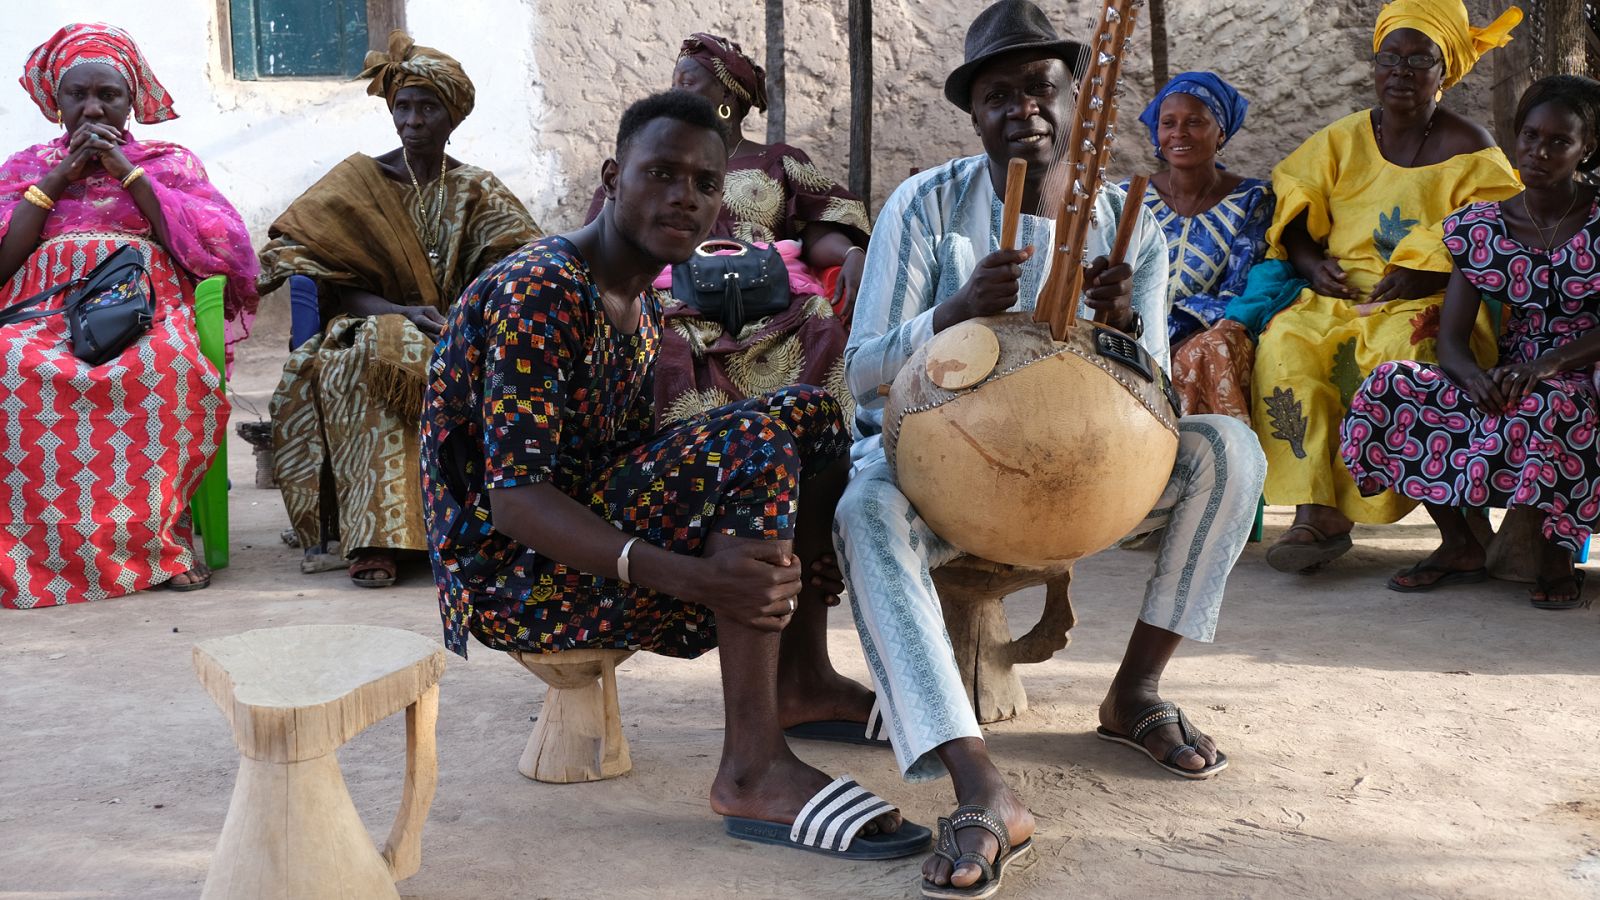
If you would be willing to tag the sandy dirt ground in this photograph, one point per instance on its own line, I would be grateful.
(1383, 745)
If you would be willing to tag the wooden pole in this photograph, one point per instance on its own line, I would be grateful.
(776, 109)
(1158, 42)
(860, 26)
(1564, 31)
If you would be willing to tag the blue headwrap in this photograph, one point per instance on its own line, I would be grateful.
(1219, 96)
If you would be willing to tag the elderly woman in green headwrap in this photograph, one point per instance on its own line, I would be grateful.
(389, 241)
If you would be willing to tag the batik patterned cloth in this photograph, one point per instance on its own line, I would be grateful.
(1372, 216)
(351, 396)
(933, 231)
(1208, 260)
(1413, 430)
(768, 196)
(97, 464)
(533, 383)
(328, 409)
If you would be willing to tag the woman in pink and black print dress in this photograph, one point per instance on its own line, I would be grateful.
(1527, 431)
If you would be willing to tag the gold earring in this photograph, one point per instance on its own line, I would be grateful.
(725, 111)
(61, 117)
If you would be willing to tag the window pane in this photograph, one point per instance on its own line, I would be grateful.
(298, 38)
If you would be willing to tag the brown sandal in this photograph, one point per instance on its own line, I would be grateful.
(382, 563)
(1307, 558)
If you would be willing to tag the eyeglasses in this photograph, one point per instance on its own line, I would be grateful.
(1419, 62)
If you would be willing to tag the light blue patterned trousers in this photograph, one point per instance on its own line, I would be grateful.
(886, 552)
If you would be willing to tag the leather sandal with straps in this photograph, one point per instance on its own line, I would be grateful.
(989, 885)
(1306, 558)
(1154, 717)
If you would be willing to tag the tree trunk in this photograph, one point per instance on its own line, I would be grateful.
(1158, 42)
(1564, 31)
(775, 82)
(860, 27)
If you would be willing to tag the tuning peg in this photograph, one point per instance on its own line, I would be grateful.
(1106, 59)
(1080, 167)
(1112, 15)
(1088, 147)
(1096, 104)
(1077, 189)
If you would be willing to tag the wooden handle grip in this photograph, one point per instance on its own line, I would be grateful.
(1126, 225)
(1011, 213)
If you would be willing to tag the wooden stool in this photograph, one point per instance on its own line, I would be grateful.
(579, 733)
(972, 592)
(293, 696)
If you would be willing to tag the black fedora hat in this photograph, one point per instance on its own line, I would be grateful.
(1005, 27)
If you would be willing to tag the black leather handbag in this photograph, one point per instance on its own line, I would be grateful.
(733, 287)
(109, 308)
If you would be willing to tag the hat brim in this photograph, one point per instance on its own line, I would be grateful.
(958, 87)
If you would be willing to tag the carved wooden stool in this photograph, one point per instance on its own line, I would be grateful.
(972, 592)
(293, 696)
(579, 733)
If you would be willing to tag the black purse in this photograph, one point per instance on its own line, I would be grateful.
(733, 288)
(109, 308)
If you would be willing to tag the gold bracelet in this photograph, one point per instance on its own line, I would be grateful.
(135, 175)
(39, 198)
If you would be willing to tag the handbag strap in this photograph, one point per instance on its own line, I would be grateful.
(16, 312)
(117, 261)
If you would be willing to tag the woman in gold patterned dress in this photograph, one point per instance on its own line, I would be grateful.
(773, 194)
(390, 242)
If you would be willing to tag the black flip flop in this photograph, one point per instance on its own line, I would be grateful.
(872, 733)
(989, 884)
(1450, 576)
(831, 822)
(1573, 602)
(1149, 720)
(1307, 558)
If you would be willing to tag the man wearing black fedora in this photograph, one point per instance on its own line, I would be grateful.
(935, 261)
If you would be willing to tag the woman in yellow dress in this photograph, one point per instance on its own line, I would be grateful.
(1360, 208)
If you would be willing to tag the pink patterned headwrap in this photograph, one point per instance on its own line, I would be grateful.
(109, 45)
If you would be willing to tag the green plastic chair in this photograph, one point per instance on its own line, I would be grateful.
(209, 506)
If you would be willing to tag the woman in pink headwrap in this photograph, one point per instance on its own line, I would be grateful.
(97, 463)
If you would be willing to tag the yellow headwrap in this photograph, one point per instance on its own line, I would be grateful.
(408, 64)
(1445, 23)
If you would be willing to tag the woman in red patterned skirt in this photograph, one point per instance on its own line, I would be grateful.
(97, 463)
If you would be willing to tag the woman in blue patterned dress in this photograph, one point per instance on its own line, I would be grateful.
(1527, 431)
(1215, 224)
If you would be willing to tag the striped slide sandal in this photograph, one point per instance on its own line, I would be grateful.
(874, 734)
(831, 822)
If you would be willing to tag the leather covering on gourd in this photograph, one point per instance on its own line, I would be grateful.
(1053, 452)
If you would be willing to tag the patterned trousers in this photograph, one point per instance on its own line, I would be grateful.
(887, 553)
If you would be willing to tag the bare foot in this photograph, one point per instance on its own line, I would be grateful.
(197, 575)
(1447, 560)
(1558, 578)
(777, 791)
(993, 794)
(821, 697)
(1118, 713)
